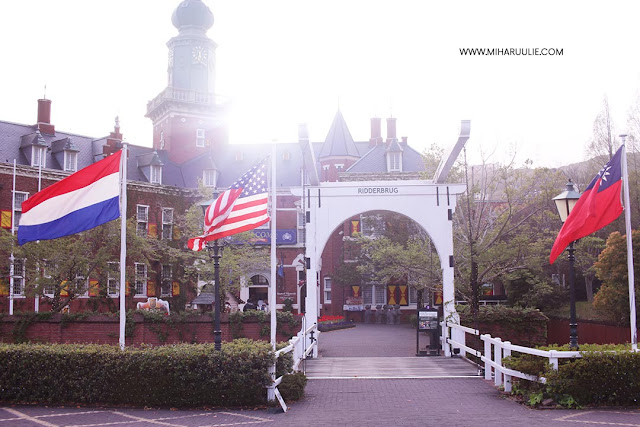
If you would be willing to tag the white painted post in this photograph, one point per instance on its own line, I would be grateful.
(507, 378)
(553, 359)
(497, 354)
(487, 356)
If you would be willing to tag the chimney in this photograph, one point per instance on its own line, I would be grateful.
(391, 129)
(114, 140)
(376, 131)
(404, 141)
(44, 117)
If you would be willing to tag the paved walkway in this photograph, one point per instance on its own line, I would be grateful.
(347, 402)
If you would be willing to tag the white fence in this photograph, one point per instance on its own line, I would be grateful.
(454, 342)
(302, 345)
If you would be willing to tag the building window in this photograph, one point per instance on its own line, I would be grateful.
(372, 225)
(327, 289)
(394, 161)
(113, 279)
(37, 156)
(143, 220)
(286, 155)
(209, 178)
(70, 161)
(339, 166)
(166, 279)
(18, 276)
(239, 156)
(413, 295)
(49, 288)
(141, 279)
(156, 174)
(82, 286)
(162, 140)
(374, 294)
(18, 198)
(167, 224)
(199, 137)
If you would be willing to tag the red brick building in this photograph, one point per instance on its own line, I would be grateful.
(190, 147)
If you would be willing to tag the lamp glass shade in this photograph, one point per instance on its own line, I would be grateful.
(566, 201)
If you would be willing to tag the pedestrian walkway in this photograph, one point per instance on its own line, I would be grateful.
(357, 401)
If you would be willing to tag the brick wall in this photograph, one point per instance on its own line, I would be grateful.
(105, 330)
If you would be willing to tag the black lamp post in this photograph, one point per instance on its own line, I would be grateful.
(215, 252)
(565, 202)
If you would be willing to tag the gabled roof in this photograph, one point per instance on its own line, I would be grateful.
(375, 160)
(339, 141)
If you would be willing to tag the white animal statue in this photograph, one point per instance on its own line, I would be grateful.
(154, 303)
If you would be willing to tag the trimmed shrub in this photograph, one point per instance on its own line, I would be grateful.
(168, 376)
(604, 375)
(292, 386)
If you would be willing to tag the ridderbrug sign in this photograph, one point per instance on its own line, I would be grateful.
(378, 190)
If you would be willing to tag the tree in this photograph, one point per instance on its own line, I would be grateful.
(61, 270)
(612, 299)
(602, 144)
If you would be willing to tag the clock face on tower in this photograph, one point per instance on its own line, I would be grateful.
(199, 55)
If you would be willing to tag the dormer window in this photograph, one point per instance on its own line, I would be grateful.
(199, 137)
(209, 177)
(70, 161)
(394, 161)
(156, 174)
(37, 157)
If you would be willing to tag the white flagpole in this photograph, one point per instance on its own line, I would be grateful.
(627, 220)
(36, 302)
(123, 242)
(272, 284)
(13, 232)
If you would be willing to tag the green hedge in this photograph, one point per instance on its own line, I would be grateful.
(604, 375)
(184, 375)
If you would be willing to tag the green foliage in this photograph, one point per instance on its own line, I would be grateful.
(521, 326)
(612, 300)
(168, 376)
(527, 290)
(292, 386)
(286, 322)
(288, 305)
(604, 375)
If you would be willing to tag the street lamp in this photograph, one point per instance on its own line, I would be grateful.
(215, 252)
(565, 202)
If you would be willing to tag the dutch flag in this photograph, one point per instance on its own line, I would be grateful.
(84, 200)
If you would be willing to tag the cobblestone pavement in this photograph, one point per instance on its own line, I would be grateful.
(347, 402)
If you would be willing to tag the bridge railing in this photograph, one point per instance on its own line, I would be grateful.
(302, 345)
(454, 341)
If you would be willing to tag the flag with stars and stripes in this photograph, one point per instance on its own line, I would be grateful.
(598, 206)
(241, 208)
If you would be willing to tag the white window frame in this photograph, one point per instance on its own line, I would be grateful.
(394, 161)
(200, 137)
(167, 224)
(18, 207)
(47, 266)
(140, 283)
(162, 140)
(166, 280)
(38, 157)
(339, 166)
(327, 289)
(374, 294)
(142, 219)
(19, 276)
(209, 177)
(81, 286)
(113, 278)
(413, 295)
(155, 174)
(70, 161)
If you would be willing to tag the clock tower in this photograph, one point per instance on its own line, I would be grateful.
(187, 117)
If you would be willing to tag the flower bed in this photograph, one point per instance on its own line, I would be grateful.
(332, 323)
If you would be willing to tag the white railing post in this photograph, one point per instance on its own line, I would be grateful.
(497, 358)
(445, 344)
(507, 378)
(553, 359)
(487, 356)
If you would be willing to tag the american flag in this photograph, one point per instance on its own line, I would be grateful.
(241, 208)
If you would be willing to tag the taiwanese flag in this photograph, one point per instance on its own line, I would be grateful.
(598, 206)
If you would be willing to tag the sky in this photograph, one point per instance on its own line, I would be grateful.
(285, 62)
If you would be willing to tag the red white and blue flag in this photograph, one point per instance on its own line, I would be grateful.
(241, 208)
(84, 200)
(598, 206)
